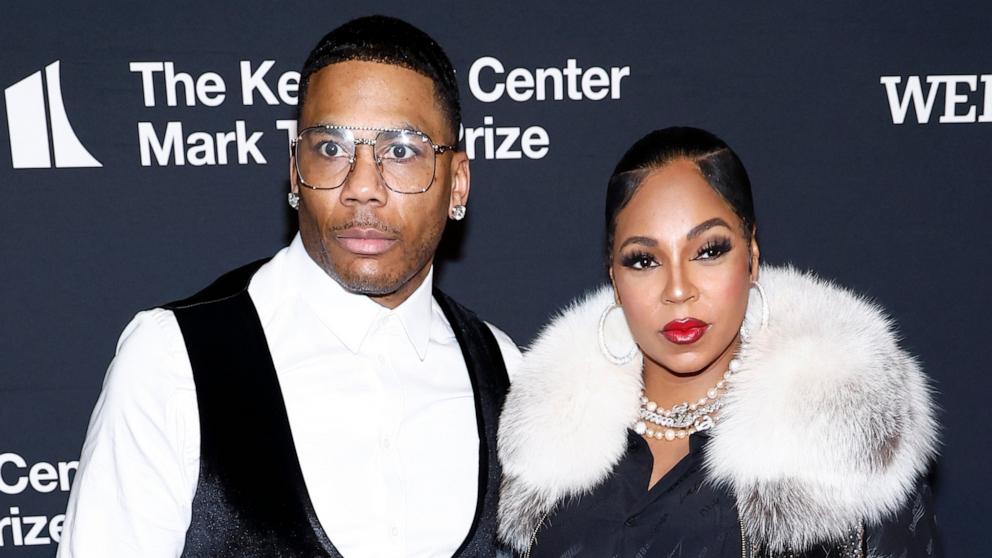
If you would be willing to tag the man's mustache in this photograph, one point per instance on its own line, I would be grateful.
(366, 220)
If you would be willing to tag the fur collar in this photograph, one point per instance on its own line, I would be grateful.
(829, 423)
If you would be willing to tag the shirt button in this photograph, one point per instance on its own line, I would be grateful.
(631, 521)
(386, 443)
(394, 531)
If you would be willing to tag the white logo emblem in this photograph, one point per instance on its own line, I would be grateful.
(28, 125)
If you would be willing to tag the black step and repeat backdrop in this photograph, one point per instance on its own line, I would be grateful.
(144, 152)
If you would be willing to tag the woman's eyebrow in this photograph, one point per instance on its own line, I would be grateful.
(642, 240)
(705, 226)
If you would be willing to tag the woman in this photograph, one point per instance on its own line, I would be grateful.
(689, 410)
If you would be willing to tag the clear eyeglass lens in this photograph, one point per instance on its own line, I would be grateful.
(405, 159)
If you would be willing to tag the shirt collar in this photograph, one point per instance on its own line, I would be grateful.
(349, 316)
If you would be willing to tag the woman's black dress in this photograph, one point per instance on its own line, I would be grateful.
(684, 515)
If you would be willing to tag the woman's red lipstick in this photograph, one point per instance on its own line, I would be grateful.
(685, 331)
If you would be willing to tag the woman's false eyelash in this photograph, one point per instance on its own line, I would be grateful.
(637, 260)
(714, 248)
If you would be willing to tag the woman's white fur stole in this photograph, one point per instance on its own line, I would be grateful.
(828, 423)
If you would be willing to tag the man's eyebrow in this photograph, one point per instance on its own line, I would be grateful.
(404, 125)
(705, 226)
(642, 240)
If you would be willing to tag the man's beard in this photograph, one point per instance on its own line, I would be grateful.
(380, 284)
(384, 282)
(370, 284)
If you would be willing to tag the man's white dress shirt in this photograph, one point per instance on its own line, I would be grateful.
(379, 402)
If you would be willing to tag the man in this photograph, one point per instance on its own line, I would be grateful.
(327, 402)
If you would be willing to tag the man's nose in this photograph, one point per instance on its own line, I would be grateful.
(364, 184)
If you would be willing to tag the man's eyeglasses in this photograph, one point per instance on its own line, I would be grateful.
(325, 155)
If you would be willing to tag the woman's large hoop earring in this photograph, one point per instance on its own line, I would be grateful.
(765, 313)
(604, 347)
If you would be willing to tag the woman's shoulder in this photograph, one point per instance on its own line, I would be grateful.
(829, 422)
(564, 423)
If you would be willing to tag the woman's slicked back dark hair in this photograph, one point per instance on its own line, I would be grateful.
(716, 161)
(389, 41)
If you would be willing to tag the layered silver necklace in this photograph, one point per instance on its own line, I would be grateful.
(684, 419)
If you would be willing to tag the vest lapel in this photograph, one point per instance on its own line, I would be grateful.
(250, 499)
(487, 372)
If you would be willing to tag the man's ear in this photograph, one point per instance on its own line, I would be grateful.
(293, 183)
(461, 178)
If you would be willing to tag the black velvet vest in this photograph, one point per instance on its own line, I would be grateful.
(250, 498)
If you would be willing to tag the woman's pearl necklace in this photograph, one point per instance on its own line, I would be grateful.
(684, 419)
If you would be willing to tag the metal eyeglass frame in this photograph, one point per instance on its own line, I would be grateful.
(438, 149)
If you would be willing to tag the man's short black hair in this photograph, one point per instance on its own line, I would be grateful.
(389, 40)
